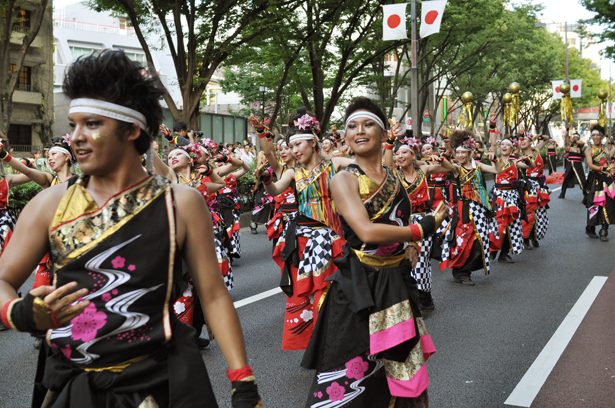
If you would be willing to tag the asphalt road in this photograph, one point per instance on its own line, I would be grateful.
(486, 336)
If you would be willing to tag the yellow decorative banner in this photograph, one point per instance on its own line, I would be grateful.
(515, 109)
(465, 119)
(508, 115)
(602, 115)
(566, 108)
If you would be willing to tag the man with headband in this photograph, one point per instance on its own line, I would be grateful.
(117, 237)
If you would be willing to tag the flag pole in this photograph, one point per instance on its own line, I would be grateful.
(414, 80)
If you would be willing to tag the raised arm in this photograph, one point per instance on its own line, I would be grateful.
(444, 167)
(542, 143)
(269, 152)
(242, 171)
(231, 165)
(495, 168)
(163, 170)
(39, 177)
(277, 188)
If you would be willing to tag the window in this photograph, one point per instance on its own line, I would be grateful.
(20, 135)
(123, 24)
(390, 57)
(25, 77)
(135, 56)
(81, 51)
(22, 22)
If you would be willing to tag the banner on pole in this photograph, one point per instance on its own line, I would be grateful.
(431, 17)
(408, 123)
(575, 88)
(394, 23)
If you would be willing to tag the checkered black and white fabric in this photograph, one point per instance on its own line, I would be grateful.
(483, 226)
(542, 222)
(422, 271)
(317, 253)
(515, 230)
(235, 243)
(222, 255)
(445, 231)
(7, 224)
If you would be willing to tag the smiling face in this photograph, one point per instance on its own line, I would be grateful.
(364, 136)
(525, 143)
(57, 161)
(405, 158)
(427, 150)
(506, 149)
(303, 150)
(597, 139)
(286, 154)
(97, 146)
(178, 160)
(462, 156)
(327, 146)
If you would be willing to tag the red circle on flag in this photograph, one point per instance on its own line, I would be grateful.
(393, 21)
(431, 16)
(557, 89)
(575, 88)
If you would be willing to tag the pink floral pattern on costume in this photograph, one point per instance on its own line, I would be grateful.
(66, 351)
(118, 262)
(336, 392)
(87, 324)
(106, 297)
(356, 368)
(131, 268)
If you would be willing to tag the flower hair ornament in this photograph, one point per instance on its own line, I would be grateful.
(66, 139)
(193, 151)
(306, 122)
(432, 141)
(410, 143)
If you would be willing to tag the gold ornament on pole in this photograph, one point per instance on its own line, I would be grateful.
(507, 99)
(465, 119)
(515, 88)
(602, 94)
(566, 105)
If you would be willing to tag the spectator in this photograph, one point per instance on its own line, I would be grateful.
(248, 154)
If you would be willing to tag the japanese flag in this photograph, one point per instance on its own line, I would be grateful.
(394, 24)
(431, 17)
(575, 88)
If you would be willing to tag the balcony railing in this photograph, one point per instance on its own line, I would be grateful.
(21, 29)
(24, 148)
(99, 28)
(23, 87)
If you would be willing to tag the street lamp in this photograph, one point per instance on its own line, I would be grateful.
(263, 89)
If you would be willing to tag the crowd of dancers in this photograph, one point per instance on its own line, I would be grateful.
(356, 218)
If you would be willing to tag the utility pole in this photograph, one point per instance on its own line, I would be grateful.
(610, 105)
(566, 44)
(417, 120)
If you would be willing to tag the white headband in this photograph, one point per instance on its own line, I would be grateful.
(365, 114)
(59, 149)
(596, 132)
(301, 136)
(405, 147)
(283, 144)
(109, 110)
(462, 149)
(507, 141)
(184, 152)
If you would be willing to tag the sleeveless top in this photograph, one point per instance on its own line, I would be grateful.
(230, 184)
(507, 177)
(537, 171)
(4, 192)
(599, 156)
(472, 187)
(575, 154)
(436, 179)
(418, 191)
(386, 203)
(125, 253)
(551, 151)
(287, 201)
(314, 196)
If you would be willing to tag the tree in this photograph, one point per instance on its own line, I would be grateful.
(10, 75)
(605, 16)
(200, 36)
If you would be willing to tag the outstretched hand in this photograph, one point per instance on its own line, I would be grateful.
(64, 306)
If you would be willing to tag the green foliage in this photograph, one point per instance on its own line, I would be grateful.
(19, 196)
(245, 186)
(605, 17)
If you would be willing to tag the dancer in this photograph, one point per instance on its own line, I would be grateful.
(473, 218)
(314, 239)
(370, 335)
(552, 156)
(600, 187)
(262, 199)
(112, 339)
(415, 183)
(574, 164)
(507, 203)
(537, 196)
(436, 181)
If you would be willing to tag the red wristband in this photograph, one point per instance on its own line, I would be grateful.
(5, 316)
(239, 374)
(388, 146)
(8, 158)
(417, 232)
(261, 135)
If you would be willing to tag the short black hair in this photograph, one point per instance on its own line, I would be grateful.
(113, 77)
(179, 126)
(363, 103)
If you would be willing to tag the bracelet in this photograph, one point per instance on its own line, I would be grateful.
(417, 232)
(6, 313)
(267, 181)
(388, 146)
(8, 158)
(241, 374)
(261, 135)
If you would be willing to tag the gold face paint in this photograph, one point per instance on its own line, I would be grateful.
(97, 136)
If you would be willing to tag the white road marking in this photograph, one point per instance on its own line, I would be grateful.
(555, 189)
(256, 298)
(524, 393)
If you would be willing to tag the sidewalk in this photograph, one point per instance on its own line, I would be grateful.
(584, 376)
